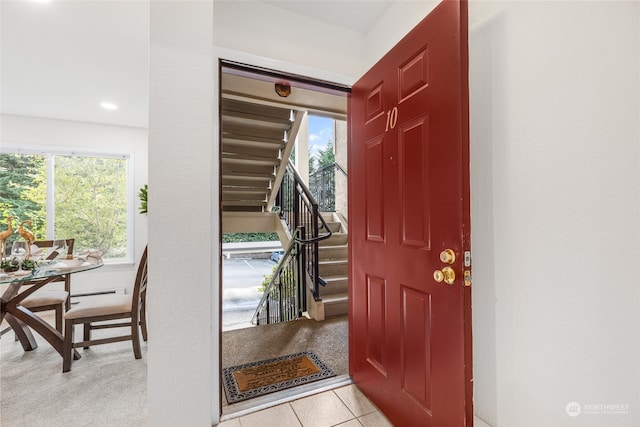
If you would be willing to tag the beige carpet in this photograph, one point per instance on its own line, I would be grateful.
(328, 339)
(107, 387)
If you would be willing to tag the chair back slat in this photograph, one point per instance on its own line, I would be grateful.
(140, 286)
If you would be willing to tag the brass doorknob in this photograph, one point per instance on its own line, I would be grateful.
(446, 275)
(448, 256)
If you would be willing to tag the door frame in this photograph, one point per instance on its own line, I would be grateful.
(264, 63)
(294, 69)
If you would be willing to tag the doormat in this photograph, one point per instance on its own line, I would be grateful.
(255, 379)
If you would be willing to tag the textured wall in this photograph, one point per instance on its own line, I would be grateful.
(554, 134)
(183, 256)
(554, 140)
(340, 133)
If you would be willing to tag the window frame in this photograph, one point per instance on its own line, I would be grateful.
(49, 153)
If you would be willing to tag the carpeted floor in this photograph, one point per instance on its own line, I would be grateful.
(328, 339)
(107, 380)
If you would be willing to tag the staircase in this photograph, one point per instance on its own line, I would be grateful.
(334, 267)
(255, 140)
(260, 194)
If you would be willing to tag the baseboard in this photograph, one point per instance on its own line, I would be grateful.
(477, 422)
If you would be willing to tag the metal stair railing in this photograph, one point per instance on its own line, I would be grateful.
(285, 297)
(322, 184)
(298, 208)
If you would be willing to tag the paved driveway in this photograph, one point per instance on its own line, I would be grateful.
(241, 278)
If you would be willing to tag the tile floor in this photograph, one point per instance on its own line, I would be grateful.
(345, 407)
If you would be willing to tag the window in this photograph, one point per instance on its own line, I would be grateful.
(85, 196)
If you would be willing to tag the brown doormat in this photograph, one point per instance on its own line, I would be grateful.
(258, 378)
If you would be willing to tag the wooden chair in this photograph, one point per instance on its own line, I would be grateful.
(106, 308)
(46, 299)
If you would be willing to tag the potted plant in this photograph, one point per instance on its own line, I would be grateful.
(142, 195)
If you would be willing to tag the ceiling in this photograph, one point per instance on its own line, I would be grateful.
(61, 59)
(358, 15)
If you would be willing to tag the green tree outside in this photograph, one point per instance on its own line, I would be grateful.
(90, 200)
(90, 195)
(21, 191)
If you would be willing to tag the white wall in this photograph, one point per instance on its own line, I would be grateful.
(277, 34)
(554, 115)
(35, 132)
(183, 252)
(399, 19)
(554, 139)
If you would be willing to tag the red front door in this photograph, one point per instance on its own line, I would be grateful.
(410, 335)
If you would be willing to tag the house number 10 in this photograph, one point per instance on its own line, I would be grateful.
(392, 119)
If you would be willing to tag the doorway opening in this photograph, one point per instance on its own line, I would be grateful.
(275, 125)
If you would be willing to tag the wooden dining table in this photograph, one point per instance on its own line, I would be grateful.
(21, 319)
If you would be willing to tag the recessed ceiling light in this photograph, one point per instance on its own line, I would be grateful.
(108, 106)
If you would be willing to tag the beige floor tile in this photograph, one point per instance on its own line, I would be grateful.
(351, 423)
(321, 410)
(355, 400)
(230, 423)
(278, 416)
(374, 419)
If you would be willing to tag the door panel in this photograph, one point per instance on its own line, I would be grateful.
(374, 209)
(410, 335)
(376, 323)
(416, 344)
(413, 158)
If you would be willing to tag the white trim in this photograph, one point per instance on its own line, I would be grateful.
(220, 53)
(17, 148)
(216, 263)
(285, 67)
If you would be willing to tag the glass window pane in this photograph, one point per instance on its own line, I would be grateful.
(90, 199)
(23, 192)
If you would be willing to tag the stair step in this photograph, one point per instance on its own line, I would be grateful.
(282, 114)
(244, 203)
(249, 175)
(239, 131)
(240, 150)
(333, 252)
(242, 118)
(248, 170)
(336, 304)
(256, 142)
(249, 160)
(250, 197)
(334, 226)
(245, 186)
(328, 216)
(336, 239)
(235, 208)
(330, 268)
(335, 285)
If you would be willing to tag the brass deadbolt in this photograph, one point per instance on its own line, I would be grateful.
(448, 256)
